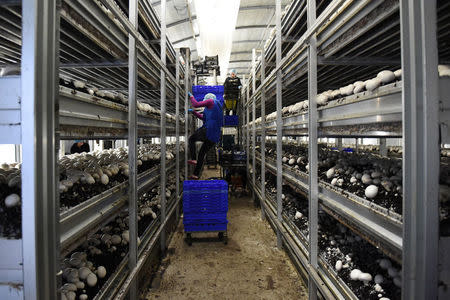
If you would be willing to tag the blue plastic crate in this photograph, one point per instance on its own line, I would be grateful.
(231, 120)
(204, 218)
(205, 196)
(239, 155)
(199, 91)
(205, 227)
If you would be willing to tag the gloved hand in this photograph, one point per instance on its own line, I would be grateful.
(190, 110)
(189, 94)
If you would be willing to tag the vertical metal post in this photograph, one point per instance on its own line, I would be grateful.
(339, 143)
(163, 124)
(357, 145)
(253, 119)
(420, 149)
(17, 153)
(187, 74)
(177, 128)
(263, 135)
(39, 197)
(383, 147)
(132, 145)
(245, 121)
(215, 76)
(279, 106)
(247, 108)
(312, 148)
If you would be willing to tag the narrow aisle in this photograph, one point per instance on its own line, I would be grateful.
(249, 267)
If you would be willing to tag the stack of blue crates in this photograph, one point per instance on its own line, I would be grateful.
(199, 91)
(205, 205)
(231, 121)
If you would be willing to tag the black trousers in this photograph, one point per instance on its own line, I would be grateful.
(199, 136)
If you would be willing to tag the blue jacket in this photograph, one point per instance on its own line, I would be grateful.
(213, 121)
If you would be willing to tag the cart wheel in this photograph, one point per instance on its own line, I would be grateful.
(220, 236)
(189, 239)
(225, 237)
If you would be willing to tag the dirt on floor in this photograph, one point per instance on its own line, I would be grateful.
(250, 266)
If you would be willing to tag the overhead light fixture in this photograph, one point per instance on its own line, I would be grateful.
(216, 21)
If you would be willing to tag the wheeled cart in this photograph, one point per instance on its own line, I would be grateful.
(205, 207)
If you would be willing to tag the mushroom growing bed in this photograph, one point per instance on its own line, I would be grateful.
(82, 176)
(369, 176)
(115, 97)
(374, 178)
(108, 247)
(10, 208)
(374, 275)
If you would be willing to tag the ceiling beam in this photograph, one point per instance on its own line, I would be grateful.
(184, 39)
(241, 52)
(179, 22)
(246, 41)
(262, 26)
(358, 61)
(240, 61)
(254, 7)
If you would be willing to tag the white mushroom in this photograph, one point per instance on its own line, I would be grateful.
(378, 287)
(101, 272)
(372, 84)
(366, 179)
(84, 272)
(354, 274)
(386, 76)
(330, 173)
(104, 179)
(321, 99)
(71, 295)
(371, 191)
(298, 215)
(385, 264)
(79, 84)
(378, 279)
(80, 285)
(12, 200)
(392, 272)
(91, 279)
(338, 265)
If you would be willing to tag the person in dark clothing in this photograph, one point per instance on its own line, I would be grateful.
(79, 147)
(209, 133)
(231, 88)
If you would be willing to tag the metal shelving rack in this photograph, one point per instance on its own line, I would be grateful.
(101, 42)
(336, 47)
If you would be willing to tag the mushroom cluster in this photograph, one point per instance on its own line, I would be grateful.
(364, 268)
(88, 174)
(375, 178)
(115, 97)
(369, 86)
(87, 268)
(82, 176)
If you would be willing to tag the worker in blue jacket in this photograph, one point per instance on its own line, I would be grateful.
(209, 133)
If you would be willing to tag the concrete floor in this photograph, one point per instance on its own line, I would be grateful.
(249, 267)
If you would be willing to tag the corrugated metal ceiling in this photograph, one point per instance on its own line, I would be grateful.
(255, 21)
